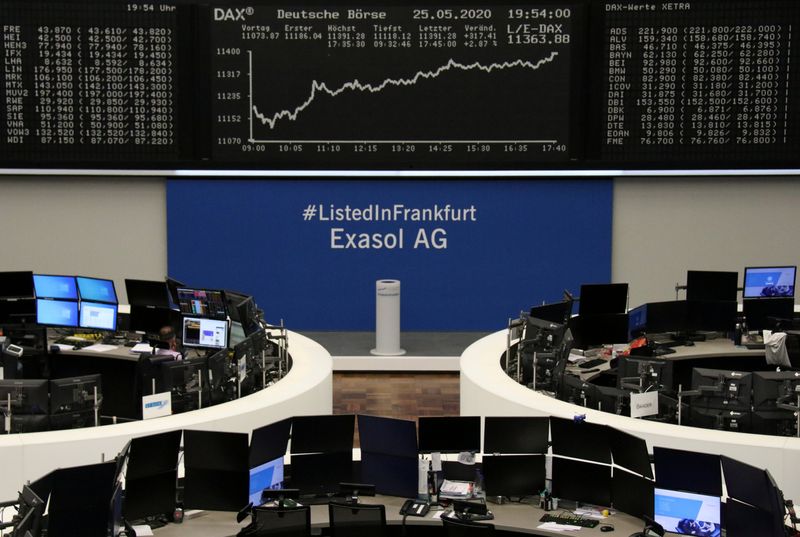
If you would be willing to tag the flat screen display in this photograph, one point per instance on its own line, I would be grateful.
(96, 290)
(767, 282)
(685, 513)
(267, 476)
(202, 303)
(62, 287)
(199, 332)
(18, 284)
(57, 312)
(98, 316)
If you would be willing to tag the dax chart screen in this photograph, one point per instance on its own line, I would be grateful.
(417, 84)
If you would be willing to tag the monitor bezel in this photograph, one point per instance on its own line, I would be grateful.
(744, 282)
(80, 294)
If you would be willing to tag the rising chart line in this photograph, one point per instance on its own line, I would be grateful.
(356, 85)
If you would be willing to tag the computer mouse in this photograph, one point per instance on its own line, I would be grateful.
(689, 343)
(606, 528)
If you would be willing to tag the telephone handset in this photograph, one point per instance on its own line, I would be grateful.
(415, 508)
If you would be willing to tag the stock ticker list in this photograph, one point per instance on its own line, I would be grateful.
(88, 81)
(700, 80)
(392, 84)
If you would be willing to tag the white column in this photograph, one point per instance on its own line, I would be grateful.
(387, 318)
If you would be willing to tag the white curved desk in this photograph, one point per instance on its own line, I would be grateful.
(306, 390)
(487, 391)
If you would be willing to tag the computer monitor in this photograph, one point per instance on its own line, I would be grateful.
(742, 520)
(30, 513)
(608, 399)
(602, 299)
(515, 435)
(630, 452)
(582, 481)
(738, 421)
(217, 473)
(267, 476)
(765, 282)
(17, 311)
(16, 284)
(718, 316)
(96, 290)
(641, 374)
(774, 422)
(513, 475)
(637, 322)
(761, 314)
(147, 293)
(98, 316)
(323, 434)
(632, 494)
(207, 303)
(81, 494)
(247, 312)
(204, 332)
(711, 285)
(687, 470)
(187, 381)
(450, 434)
(57, 313)
(59, 287)
(687, 513)
(669, 316)
(770, 387)
(269, 442)
(150, 319)
(321, 473)
(722, 389)
(28, 396)
(747, 483)
(388, 436)
(72, 401)
(580, 440)
(558, 312)
(600, 329)
(222, 374)
(151, 475)
(392, 475)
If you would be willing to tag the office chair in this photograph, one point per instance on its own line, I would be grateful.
(279, 522)
(357, 520)
(461, 528)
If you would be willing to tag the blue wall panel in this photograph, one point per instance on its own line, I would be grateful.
(519, 242)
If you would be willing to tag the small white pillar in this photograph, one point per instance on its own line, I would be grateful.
(387, 318)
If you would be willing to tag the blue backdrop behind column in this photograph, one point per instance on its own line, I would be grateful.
(486, 250)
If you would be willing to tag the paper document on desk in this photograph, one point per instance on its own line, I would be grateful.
(554, 526)
(142, 530)
(141, 348)
(98, 347)
(456, 489)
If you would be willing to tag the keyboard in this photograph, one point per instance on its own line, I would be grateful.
(471, 517)
(588, 364)
(661, 351)
(570, 519)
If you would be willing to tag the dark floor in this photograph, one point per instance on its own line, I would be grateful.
(415, 343)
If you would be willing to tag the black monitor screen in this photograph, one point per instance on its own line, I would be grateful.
(582, 481)
(74, 394)
(711, 285)
(669, 316)
(558, 312)
(96, 290)
(391, 475)
(743, 520)
(321, 473)
(81, 493)
(323, 434)
(153, 454)
(514, 475)
(711, 315)
(269, 442)
(515, 435)
(580, 440)
(630, 452)
(597, 299)
(151, 320)
(595, 330)
(688, 471)
(147, 293)
(747, 483)
(764, 314)
(387, 436)
(27, 396)
(203, 303)
(632, 494)
(18, 284)
(450, 434)
(217, 473)
(764, 282)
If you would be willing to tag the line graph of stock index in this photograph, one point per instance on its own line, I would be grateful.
(417, 85)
